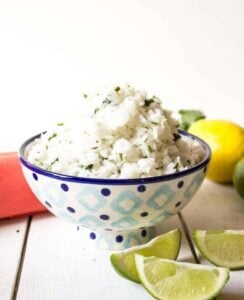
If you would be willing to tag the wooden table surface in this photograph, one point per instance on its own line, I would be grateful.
(43, 257)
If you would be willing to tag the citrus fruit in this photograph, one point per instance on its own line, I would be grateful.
(223, 248)
(166, 245)
(226, 140)
(170, 280)
(238, 177)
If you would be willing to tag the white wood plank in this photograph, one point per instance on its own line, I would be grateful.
(217, 206)
(59, 265)
(12, 234)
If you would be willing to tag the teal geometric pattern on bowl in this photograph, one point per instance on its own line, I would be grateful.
(126, 203)
(115, 213)
(91, 199)
(116, 240)
(125, 223)
(161, 198)
(193, 186)
(91, 221)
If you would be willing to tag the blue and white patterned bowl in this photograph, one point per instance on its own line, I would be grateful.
(119, 213)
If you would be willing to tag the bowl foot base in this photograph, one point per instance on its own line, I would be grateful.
(117, 240)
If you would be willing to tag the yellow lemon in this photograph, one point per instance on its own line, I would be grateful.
(226, 140)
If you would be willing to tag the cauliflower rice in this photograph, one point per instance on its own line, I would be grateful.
(119, 134)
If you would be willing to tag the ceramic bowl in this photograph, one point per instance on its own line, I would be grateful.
(118, 213)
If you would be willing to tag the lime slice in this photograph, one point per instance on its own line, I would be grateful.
(223, 248)
(238, 177)
(166, 245)
(170, 280)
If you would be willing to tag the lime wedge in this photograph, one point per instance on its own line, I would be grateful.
(223, 248)
(166, 245)
(170, 280)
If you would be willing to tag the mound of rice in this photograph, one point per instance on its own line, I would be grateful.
(119, 134)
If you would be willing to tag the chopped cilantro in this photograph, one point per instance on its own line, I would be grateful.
(107, 101)
(85, 95)
(154, 123)
(60, 124)
(52, 136)
(149, 148)
(148, 102)
(96, 110)
(55, 160)
(188, 117)
(176, 136)
(121, 156)
(176, 165)
(117, 89)
(89, 167)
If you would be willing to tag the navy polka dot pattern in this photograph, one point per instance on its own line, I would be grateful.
(71, 209)
(143, 233)
(141, 188)
(105, 192)
(104, 217)
(180, 184)
(48, 204)
(92, 236)
(35, 176)
(64, 187)
(119, 238)
(144, 214)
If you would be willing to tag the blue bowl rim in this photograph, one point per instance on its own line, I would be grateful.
(109, 181)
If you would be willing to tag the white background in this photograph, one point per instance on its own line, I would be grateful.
(190, 53)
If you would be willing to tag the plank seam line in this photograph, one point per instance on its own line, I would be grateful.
(189, 239)
(21, 261)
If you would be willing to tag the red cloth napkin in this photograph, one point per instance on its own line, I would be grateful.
(16, 198)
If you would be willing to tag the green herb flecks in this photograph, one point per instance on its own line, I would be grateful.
(148, 102)
(149, 148)
(107, 101)
(176, 166)
(89, 167)
(52, 137)
(55, 160)
(121, 156)
(85, 95)
(154, 123)
(188, 117)
(60, 124)
(96, 110)
(176, 136)
(117, 89)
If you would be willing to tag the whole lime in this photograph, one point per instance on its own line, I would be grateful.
(238, 177)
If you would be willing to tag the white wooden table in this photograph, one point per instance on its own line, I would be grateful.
(45, 258)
